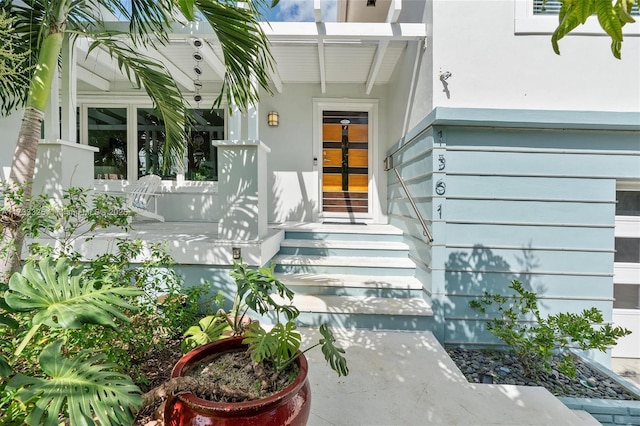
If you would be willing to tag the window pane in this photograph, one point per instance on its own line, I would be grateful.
(550, 7)
(627, 250)
(202, 157)
(151, 136)
(628, 203)
(108, 132)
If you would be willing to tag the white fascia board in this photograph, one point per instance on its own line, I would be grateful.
(365, 31)
(277, 31)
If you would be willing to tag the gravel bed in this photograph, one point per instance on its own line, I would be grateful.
(493, 366)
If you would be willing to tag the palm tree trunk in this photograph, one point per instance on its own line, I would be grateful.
(24, 158)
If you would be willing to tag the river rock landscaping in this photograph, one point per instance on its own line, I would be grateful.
(494, 366)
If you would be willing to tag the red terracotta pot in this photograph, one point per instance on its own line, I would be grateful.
(291, 406)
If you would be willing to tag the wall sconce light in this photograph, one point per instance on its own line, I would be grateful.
(273, 119)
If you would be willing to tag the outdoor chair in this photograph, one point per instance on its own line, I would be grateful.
(142, 197)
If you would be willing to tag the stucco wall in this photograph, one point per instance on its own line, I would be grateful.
(495, 65)
(293, 177)
(492, 67)
(513, 200)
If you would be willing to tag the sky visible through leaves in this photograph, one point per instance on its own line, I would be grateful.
(302, 11)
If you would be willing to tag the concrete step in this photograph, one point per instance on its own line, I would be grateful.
(346, 232)
(314, 247)
(384, 266)
(375, 313)
(353, 285)
(362, 305)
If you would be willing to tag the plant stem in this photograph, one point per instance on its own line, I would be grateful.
(25, 342)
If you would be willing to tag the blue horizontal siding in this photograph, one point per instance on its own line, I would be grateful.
(572, 237)
(472, 283)
(527, 260)
(523, 194)
(541, 188)
(542, 164)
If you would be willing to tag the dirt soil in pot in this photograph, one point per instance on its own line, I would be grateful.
(232, 377)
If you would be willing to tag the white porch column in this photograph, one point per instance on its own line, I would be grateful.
(242, 189)
(253, 124)
(52, 111)
(235, 123)
(69, 92)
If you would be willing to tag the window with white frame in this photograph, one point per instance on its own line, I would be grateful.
(538, 17)
(108, 129)
(627, 246)
(552, 7)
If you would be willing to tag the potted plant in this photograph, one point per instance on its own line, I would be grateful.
(278, 391)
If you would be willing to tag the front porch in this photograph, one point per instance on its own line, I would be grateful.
(400, 373)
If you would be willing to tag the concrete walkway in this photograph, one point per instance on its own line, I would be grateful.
(407, 378)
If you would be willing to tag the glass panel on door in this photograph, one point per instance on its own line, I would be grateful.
(345, 162)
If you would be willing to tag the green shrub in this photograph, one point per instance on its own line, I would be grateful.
(137, 273)
(535, 340)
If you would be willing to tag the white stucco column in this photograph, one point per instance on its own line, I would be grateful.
(242, 189)
(253, 123)
(69, 92)
(234, 126)
(52, 111)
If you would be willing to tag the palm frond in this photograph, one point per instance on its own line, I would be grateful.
(16, 64)
(149, 20)
(245, 47)
(161, 88)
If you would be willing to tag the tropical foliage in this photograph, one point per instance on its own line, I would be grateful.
(71, 333)
(258, 290)
(612, 17)
(535, 339)
(15, 66)
(40, 29)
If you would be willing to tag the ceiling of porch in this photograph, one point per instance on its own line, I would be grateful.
(310, 52)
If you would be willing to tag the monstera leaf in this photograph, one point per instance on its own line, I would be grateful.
(87, 390)
(62, 299)
(209, 329)
(332, 353)
(280, 344)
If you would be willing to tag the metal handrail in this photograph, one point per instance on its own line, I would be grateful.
(425, 232)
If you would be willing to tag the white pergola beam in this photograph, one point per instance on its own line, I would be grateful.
(375, 66)
(177, 74)
(394, 11)
(276, 79)
(322, 66)
(317, 10)
(209, 56)
(309, 30)
(97, 56)
(93, 79)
